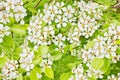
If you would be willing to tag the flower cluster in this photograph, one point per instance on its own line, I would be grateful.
(113, 77)
(71, 33)
(104, 46)
(9, 70)
(42, 32)
(36, 34)
(4, 31)
(13, 9)
(46, 62)
(26, 58)
(81, 74)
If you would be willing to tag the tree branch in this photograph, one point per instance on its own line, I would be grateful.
(37, 4)
(117, 5)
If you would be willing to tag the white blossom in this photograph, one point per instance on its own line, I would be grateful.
(58, 40)
(61, 21)
(9, 70)
(4, 31)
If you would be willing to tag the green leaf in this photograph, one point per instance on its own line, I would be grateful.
(117, 41)
(37, 60)
(20, 77)
(65, 76)
(49, 72)
(118, 50)
(8, 41)
(26, 78)
(66, 49)
(33, 75)
(71, 65)
(97, 63)
(37, 69)
(2, 61)
(16, 53)
(90, 44)
(18, 49)
(56, 55)
(71, 48)
(105, 66)
(12, 20)
(18, 29)
(33, 10)
(117, 22)
(43, 49)
(104, 2)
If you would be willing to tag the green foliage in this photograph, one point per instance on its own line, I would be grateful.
(65, 76)
(33, 75)
(56, 55)
(2, 61)
(90, 44)
(63, 62)
(18, 29)
(97, 63)
(49, 73)
(43, 49)
(105, 66)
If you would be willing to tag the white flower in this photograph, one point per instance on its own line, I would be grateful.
(82, 5)
(20, 13)
(73, 52)
(26, 58)
(48, 18)
(48, 30)
(73, 36)
(68, 11)
(86, 56)
(47, 61)
(116, 58)
(110, 50)
(60, 48)
(9, 70)
(90, 72)
(22, 22)
(59, 7)
(52, 10)
(118, 75)
(4, 17)
(117, 32)
(4, 31)
(10, 4)
(39, 76)
(58, 40)
(72, 78)
(87, 33)
(2, 5)
(78, 73)
(61, 21)
(107, 35)
(98, 74)
(112, 77)
(78, 70)
(18, 2)
(98, 14)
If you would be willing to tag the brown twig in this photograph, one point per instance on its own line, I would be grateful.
(12, 34)
(91, 0)
(117, 5)
(37, 4)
